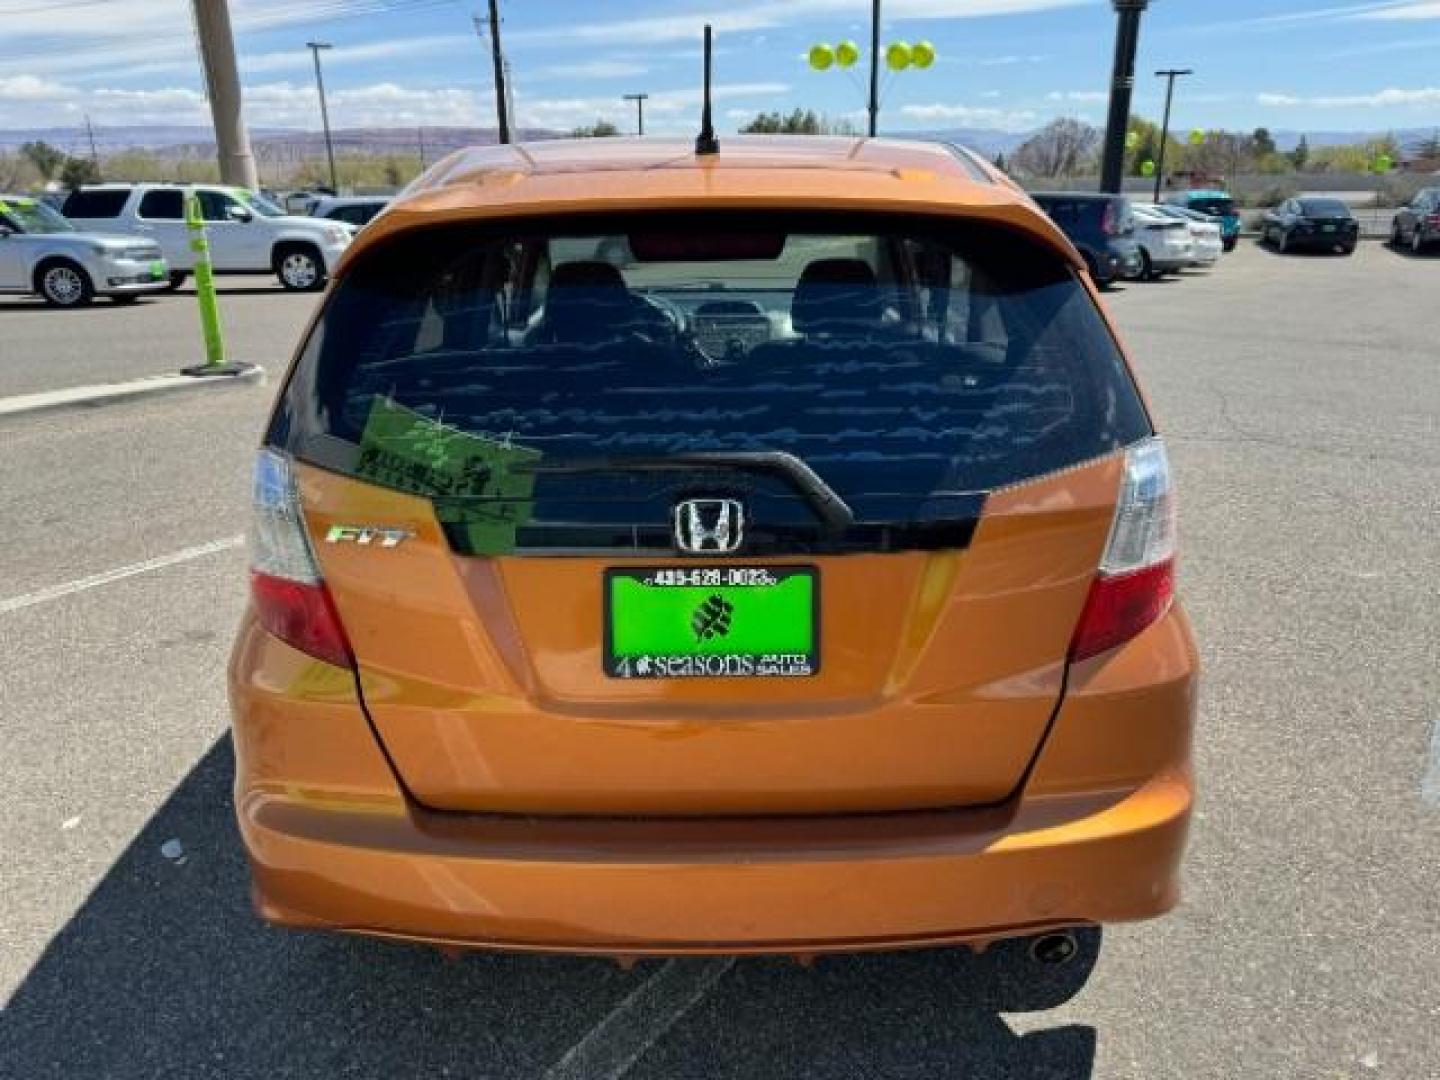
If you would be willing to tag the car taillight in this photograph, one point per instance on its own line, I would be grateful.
(1136, 581)
(1433, 219)
(1107, 220)
(290, 597)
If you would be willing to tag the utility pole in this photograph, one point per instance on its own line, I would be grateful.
(497, 56)
(315, 47)
(1170, 75)
(421, 133)
(1122, 85)
(90, 131)
(639, 100)
(874, 65)
(222, 86)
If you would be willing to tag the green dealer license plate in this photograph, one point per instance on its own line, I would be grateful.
(682, 622)
(158, 270)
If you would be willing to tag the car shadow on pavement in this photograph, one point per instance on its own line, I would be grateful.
(165, 971)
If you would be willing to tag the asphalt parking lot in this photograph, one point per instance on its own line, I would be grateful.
(1301, 399)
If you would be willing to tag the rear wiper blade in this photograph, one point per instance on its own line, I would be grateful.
(819, 496)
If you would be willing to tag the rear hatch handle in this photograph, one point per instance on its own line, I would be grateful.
(819, 496)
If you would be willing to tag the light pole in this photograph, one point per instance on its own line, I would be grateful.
(315, 47)
(222, 81)
(639, 100)
(1170, 75)
(874, 65)
(1122, 84)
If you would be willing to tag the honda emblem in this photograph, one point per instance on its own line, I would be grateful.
(709, 526)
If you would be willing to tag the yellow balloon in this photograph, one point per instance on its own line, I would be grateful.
(922, 54)
(1197, 137)
(821, 57)
(846, 53)
(898, 56)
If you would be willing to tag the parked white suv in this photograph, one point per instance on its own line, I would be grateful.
(248, 233)
(41, 253)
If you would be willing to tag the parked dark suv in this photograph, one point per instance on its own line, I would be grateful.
(1101, 227)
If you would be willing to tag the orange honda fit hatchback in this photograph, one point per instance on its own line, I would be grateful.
(758, 551)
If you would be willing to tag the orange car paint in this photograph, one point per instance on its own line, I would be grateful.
(949, 780)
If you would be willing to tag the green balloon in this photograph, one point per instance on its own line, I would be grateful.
(898, 56)
(922, 54)
(1147, 168)
(1384, 163)
(821, 57)
(1197, 137)
(1132, 140)
(847, 53)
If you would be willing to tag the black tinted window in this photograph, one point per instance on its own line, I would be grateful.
(96, 204)
(1324, 208)
(215, 205)
(1216, 207)
(910, 365)
(163, 204)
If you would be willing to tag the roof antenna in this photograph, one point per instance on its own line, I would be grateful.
(705, 142)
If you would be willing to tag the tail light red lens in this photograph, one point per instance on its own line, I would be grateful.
(301, 615)
(1135, 584)
(1121, 606)
(1107, 220)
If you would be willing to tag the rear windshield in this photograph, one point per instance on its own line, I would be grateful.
(565, 380)
(1215, 206)
(1324, 208)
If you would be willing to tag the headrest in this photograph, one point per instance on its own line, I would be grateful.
(836, 296)
(586, 301)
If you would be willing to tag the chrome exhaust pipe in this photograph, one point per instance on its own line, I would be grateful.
(1054, 950)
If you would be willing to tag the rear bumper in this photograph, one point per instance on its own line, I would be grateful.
(1096, 835)
(715, 886)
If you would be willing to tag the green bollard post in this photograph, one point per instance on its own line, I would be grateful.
(205, 283)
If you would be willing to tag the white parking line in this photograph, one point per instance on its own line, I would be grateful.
(69, 588)
(1430, 786)
(613, 1045)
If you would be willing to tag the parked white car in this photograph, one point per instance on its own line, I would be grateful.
(1165, 244)
(42, 253)
(1205, 231)
(248, 233)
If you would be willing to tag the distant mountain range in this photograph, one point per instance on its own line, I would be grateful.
(196, 141)
(281, 144)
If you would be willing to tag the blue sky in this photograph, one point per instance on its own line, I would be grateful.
(1006, 64)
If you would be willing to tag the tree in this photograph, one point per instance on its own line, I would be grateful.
(1060, 148)
(799, 122)
(1300, 156)
(601, 129)
(46, 159)
(78, 171)
(1263, 141)
(1427, 148)
(1000, 162)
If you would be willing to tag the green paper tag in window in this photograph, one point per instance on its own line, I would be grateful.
(472, 479)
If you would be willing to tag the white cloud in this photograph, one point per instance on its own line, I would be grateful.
(30, 88)
(981, 116)
(1389, 97)
(1077, 95)
(667, 27)
(665, 110)
(593, 69)
(1429, 9)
